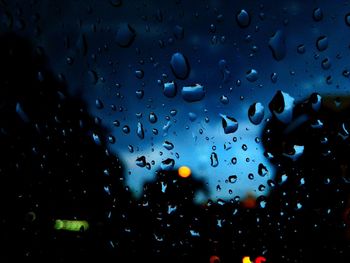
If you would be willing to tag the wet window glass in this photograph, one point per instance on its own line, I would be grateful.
(175, 131)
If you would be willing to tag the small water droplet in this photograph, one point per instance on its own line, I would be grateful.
(243, 18)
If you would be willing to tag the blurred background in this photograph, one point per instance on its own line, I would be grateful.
(166, 84)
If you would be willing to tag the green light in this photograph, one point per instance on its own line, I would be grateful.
(71, 225)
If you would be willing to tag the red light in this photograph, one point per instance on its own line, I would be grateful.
(260, 259)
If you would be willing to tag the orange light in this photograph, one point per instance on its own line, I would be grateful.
(249, 201)
(184, 171)
(260, 259)
(246, 260)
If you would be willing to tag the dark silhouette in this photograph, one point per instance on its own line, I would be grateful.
(52, 166)
(314, 198)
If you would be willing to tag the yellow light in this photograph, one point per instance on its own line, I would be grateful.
(246, 260)
(184, 171)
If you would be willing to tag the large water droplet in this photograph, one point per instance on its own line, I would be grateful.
(296, 153)
(229, 124)
(167, 164)
(243, 18)
(193, 93)
(180, 66)
(316, 101)
(262, 170)
(322, 43)
(169, 89)
(282, 106)
(214, 161)
(125, 35)
(277, 44)
(256, 113)
(168, 145)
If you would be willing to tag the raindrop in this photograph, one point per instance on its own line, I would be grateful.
(139, 74)
(243, 18)
(169, 89)
(96, 138)
(224, 70)
(229, 124)
(296, 153)
(256, 113)
(21, 113)
(140, 93)
(167, 164)
(224, 99)
(193, 93)
(125, 35)
(232, 179)
(140, 132)
(141, 161)
(261, 187)
(271, 183)
(179, 66)
(250, 176)
(168, 145)
(111, 139)
(155, 131)
(262, 170)
(326, 63)
(317, 14)
(301, 49)
(277, 44)
(116, 3)
(92, 76)
(316, 101)
(82, 45)
(347, 19)
(282, 106)
(152, 117)
(252, 75)
(178, 32)
(322, 43)
(192, 116)
(126, 129)
(274, 77)
(234, 160)
(214, 162)
(116, 123)
(99, 104)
